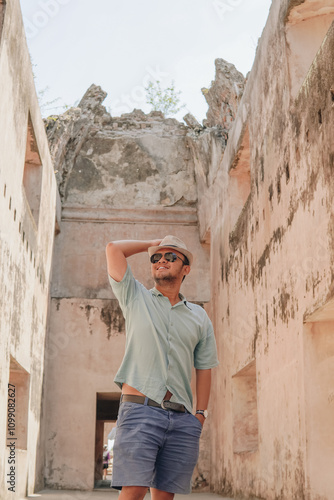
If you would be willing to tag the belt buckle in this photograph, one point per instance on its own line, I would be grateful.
(169, 405)
(163, 405)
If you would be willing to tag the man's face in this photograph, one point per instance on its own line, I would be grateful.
(164, 271)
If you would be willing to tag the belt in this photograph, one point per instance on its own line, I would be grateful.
(165, 405)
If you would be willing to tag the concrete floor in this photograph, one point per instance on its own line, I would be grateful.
(106, 494)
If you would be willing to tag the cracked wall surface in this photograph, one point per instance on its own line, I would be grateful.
(250, 191)
(272, 268)
(26, 244)
(133, 160)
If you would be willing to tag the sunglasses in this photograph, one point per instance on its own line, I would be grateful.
(169, 256)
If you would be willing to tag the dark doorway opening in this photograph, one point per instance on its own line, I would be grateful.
(107, 404)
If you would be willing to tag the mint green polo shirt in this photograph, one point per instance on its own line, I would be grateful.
(163, 342)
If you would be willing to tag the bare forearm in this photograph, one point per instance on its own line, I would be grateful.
(119, 251)
(131, 247)
(203, 387)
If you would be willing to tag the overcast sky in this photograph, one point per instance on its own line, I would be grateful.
(123, 44)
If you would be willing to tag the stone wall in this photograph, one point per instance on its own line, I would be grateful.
(250, 191)
(270, 225)
(208, 142)
(27, 225)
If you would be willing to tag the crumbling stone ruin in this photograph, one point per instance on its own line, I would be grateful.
(136, 159)
(250, 190)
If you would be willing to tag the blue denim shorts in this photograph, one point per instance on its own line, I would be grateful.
(155, 448)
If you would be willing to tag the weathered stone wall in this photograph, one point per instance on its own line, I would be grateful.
(208, 142)
(128, 177)
(253, 199)
(27, 226)
(271, 226)
(224, 95)
(127, 161)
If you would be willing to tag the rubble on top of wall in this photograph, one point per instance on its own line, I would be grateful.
(224, 95)
(208, 141)
(192, 122)
(152, 153)
(136, 159)
(90, 109)
(223, 98)
(67, 132)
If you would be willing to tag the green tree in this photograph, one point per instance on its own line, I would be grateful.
(165, 100)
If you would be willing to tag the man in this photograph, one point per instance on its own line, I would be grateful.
(157, 437)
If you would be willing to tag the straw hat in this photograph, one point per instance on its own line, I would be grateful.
(172, 242)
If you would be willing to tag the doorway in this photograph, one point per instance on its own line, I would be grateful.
(107, 404)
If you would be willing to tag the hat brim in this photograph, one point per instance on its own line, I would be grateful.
(189, 255)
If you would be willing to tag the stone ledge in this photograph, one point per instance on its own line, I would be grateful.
(185, 216)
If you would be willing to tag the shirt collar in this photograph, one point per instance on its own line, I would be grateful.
(184, 300)
(182, 297)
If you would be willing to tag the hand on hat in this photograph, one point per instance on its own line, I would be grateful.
(155, 243)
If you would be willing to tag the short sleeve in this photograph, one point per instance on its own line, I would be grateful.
(205, 355)
(126, 290)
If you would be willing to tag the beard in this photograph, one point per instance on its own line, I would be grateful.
(165, 279)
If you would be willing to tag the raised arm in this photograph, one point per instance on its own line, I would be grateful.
(118, 251)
